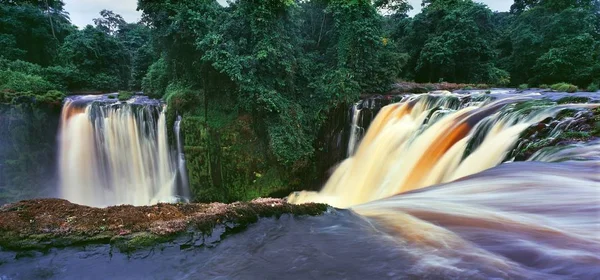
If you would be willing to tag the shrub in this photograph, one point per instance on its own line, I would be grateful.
(593, 87)
(52, 96)
(499, 77)
(22, 66)
(21, 82)
(156, 80)
(544, 86)
(182, 97)
(523, 87)
(124, 95)
(104, 82)
(564, 87)
(65, 77)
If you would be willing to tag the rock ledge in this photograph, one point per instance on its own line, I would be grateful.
(43, 224)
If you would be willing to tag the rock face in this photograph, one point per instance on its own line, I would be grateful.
(47, 223)
(27, 150)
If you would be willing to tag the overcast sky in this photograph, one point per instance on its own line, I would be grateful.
(83, 11)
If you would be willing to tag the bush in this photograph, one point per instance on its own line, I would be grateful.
(104, 82)
(523, 87)
(182, 97)
(544, 86)
(21, 82)
(156, 80)
(564, 87)
(22, 66)
(64, 77)
(593, 87)
(499, 77)
(52, 96)
(61, 77)
(124, 95)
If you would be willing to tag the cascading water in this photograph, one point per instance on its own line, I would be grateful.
(355, 130)
(181, 168)
(427, 140)
(115, 152)
(524, 220)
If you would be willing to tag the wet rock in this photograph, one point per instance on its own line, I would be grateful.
(42, 224)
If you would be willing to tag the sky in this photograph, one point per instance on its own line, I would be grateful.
(83, 11)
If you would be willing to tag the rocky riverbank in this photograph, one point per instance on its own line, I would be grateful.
(43, 224)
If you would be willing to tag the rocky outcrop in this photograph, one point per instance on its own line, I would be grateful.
(43, 224)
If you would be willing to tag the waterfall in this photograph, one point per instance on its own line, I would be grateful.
(427, 140)
(115, 153)
(428, 175)
(355, 129)
(181, 158)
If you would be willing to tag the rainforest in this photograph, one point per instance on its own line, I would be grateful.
(295, 139)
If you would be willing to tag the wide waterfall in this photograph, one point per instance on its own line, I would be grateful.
(427, 140)
(426, 175)
(115, 152)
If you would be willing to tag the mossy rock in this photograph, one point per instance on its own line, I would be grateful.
(43, 224)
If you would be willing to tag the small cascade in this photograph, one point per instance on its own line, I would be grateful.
(115, 153)
(183, 178)
(355, 130)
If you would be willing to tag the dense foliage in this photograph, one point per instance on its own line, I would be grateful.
(39, 44)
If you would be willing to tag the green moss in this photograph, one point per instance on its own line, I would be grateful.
(532, 105)
(139, 241)
(573, 100)
(541, 136)
(40, 242)
(49, 230)
(596, 122)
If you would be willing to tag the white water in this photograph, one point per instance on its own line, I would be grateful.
(112, 154)
(181, 156)
(423, 141)
(355, 129)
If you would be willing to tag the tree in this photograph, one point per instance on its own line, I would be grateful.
(99, 56)
(553, 41)
(110, 23)
(453, 40)
(33, 30)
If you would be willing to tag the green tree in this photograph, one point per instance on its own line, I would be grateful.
(110, 23)
(99, 56)
(453, 40)
(33, 30)
(553, 41)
